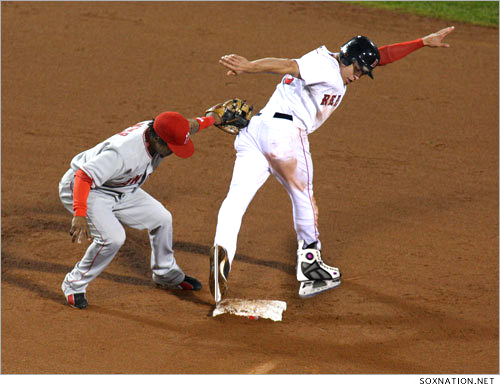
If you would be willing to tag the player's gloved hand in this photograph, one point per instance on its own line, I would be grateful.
(79, 230)
(234, 114)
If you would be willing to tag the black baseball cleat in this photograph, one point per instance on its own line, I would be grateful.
(189, 283)
(77, 300)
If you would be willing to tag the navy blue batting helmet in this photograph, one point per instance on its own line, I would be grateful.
(362, 50)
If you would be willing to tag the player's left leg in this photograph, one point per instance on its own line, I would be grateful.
(294, 170)
(143, 212)
(287, 150)
(108, 236)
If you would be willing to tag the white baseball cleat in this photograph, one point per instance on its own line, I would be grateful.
(310, 266)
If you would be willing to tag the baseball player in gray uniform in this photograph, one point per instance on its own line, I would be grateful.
(276, 142)
(102, 189)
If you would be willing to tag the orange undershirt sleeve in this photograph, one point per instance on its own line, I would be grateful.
(205, 122)
(81, 190)
(394, 52)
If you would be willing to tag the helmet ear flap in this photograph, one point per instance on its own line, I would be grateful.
(345, 60)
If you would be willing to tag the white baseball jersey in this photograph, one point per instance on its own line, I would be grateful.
(312, 98)
(275, 144)
(121, 163)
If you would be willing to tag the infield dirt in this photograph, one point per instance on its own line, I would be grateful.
(406, 179)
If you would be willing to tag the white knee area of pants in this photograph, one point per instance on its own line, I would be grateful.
(113, 240)
(163, 221)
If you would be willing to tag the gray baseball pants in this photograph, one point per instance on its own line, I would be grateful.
(105, 215)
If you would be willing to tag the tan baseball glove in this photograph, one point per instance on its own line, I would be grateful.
(235, 114)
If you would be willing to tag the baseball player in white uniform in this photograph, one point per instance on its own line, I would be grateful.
(103, 190)
(276, 142)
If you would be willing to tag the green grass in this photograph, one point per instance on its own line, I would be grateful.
(474, 12)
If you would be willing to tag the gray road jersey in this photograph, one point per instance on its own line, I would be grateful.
(121, 163)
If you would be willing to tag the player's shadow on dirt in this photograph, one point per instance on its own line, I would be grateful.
(204, 251)
(11, 262)
(131, 253)
(136, 247)
(33, 287)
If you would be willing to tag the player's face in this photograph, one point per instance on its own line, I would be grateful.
(357, 70)
(351, 73)
(160, 147)
(163, 149)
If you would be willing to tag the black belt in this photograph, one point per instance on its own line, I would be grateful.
(279, 115)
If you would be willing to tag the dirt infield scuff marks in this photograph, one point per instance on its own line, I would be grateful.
(133, 317)
(424, 319)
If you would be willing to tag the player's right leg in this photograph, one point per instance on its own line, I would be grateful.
(108, 236)
(141, 211)
(251, 170)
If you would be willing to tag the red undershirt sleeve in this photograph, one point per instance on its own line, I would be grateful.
(205, 121)
(393, 52)
(81, 190)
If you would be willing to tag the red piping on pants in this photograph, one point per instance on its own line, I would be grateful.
(308, 190)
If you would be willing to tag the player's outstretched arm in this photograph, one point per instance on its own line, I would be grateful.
(238, 65)
(435, 40)
(198, 124)
(394, 52)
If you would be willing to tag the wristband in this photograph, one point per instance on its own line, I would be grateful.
(205, 122)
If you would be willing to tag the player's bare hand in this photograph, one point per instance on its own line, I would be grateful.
(236, 64)
(79, 230)
(435, 39)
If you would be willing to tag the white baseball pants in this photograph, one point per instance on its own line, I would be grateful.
(105, 215)
(269, 146)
